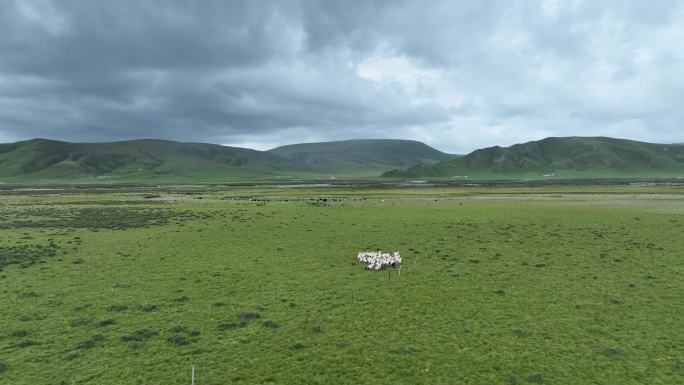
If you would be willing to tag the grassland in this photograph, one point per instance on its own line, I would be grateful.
(553, 285)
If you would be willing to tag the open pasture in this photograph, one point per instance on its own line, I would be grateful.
(261, 286)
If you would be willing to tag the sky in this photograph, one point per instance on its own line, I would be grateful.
(457, 75)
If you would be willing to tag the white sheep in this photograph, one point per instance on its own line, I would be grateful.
(377, 260)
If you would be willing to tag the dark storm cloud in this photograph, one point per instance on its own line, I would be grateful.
(455, 74)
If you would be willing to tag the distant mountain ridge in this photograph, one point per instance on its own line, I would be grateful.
(165, 160)
(145, 158)
(570, 156)
(366, 154)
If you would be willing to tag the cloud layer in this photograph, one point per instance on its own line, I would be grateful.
(457, 75)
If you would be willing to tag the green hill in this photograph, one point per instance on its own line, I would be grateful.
(135, 160)
(559, 157)
(371, 156)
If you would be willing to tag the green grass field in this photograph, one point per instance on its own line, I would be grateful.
(551, 285)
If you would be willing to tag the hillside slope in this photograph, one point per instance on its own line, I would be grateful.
(136, 159)
(569, 157)
(375, 155)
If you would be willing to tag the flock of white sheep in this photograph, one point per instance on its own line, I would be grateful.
(377, 260)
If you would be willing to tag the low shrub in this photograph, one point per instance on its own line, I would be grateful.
(406, 350)
(76, 322)
(139, 335)
(270, 324)
(178, 329)
(536, 377)
(105, 322)
(25, 343)
(178, 339)
(249, 315)
(73, 354)
(512, 379)
(148, 307)
(20, 333)
(117, 307)
(611, 351)
(228, 325)
(90, 342)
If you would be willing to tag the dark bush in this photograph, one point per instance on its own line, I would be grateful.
(137, 344)
(407, 350)
(178, 339)
(536, 377)
(25, 343)
(3, 367)
(611, 351)
(73, 354)
(20, 333)
(194, 332)
(178, 329)
(139, 335)
(105, 322)
(82, 307)
(76, 322)
(297, 346)
(249, 315)
(148, 307)
(317, 329)
(117, 307)
(270, 324)
(410, 349)
(90, 342)
(512, 379)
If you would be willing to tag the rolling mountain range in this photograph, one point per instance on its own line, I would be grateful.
(372, 155)
(559, 157)
(163, 161)
(169, 161)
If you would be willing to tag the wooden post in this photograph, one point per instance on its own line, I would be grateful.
(306, 321)
(192, 379)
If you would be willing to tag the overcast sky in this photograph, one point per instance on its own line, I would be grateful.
(457, 75)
